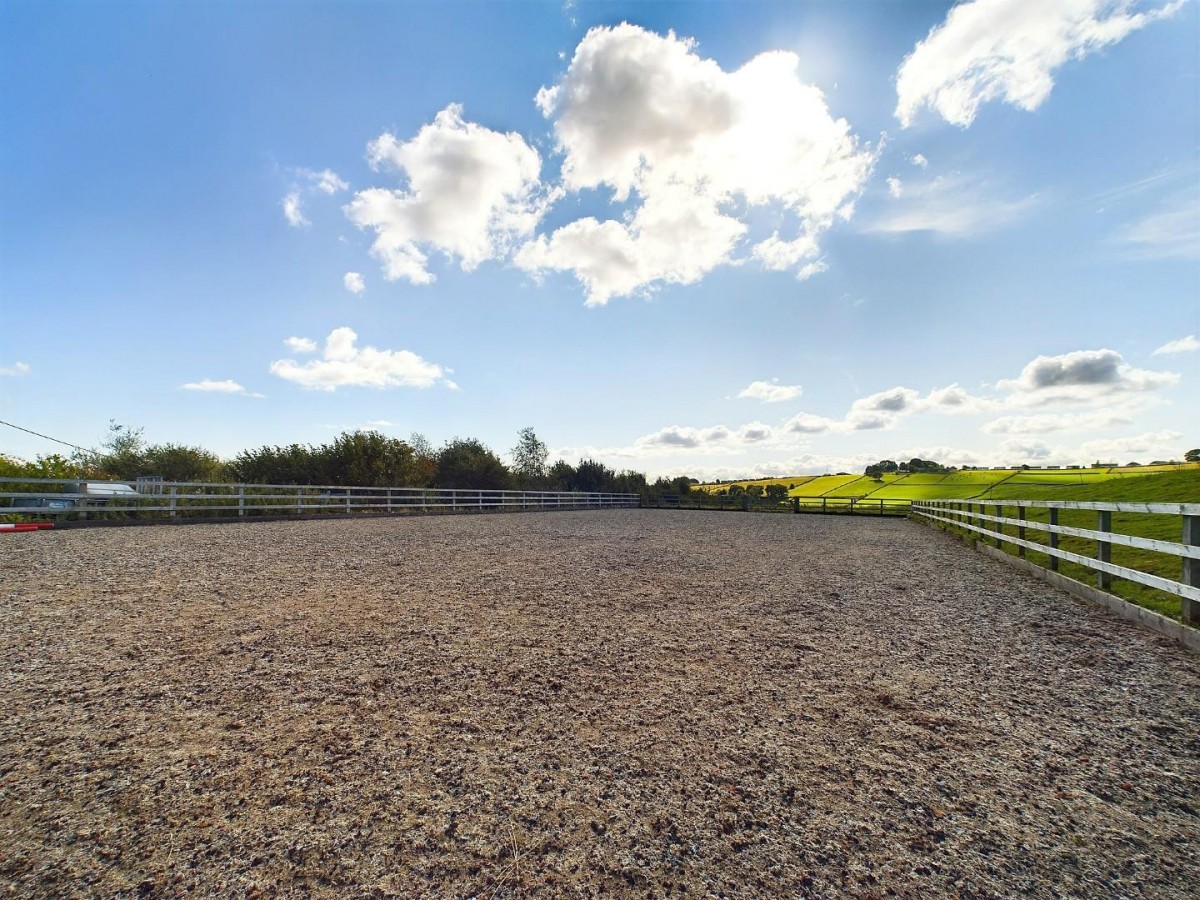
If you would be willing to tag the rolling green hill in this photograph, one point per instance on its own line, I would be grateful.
(992, 484)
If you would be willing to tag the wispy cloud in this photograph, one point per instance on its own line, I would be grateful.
(1170, 231)
(1001, 50)
(950, 205)
(16, 369)
(227, 386)
(1183, 345)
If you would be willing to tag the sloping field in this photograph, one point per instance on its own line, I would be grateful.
(982, 483)
(1177, 486)
(822, 485)
(579, 704)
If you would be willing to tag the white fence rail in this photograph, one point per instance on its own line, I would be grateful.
(48, 497)
(972, 516)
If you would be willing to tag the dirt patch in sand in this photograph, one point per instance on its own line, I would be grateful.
(644, 703)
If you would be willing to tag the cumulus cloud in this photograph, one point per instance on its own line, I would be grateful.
(1082, 375)
(648, 118)
(469, 193)
(918, 159)
(713, 439)
(1183, 345)
(300, 344)
(885, 409)
(806, 423)
(953, 400)
(344, 364)
(951, 205)
(209, 386)
(894, 400)
(770, 391)
(293, 212)
(17, 368)
(354, 282)
(1008, 50)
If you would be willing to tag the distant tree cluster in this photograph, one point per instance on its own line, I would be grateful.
(914, 466)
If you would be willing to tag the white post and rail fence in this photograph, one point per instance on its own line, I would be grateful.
(155, 499)
(1025, 520)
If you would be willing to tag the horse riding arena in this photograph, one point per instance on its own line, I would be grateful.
(610, 703)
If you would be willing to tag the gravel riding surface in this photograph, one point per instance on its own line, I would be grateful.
(616, 703)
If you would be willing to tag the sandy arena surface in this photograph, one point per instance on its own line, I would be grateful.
(619, 703)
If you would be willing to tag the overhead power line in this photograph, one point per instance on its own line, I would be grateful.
(48, 438)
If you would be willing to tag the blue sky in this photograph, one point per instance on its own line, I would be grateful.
(719, 239)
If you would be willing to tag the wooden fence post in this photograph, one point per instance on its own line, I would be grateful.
(1021, 531)
(1191, 572)
(1103, 549)
(1053, 539)
(241, 500)
(999, 526)
(173, 502)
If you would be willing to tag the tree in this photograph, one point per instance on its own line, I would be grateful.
(175, 462)
(529, 458)
(560, 476)
(874, 472)
(776, 493)
(591, 476)
(1192, 456)
(124, 452)
(469, 464)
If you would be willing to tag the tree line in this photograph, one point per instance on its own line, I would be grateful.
(358, 458)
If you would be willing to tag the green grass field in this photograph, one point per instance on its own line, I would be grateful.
(983, 484)
(1168, 486)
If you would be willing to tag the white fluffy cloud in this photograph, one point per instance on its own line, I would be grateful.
(1008, 50)
(1183, 345)
(1080, 376)
(952, 205)
(292, 210)
(645, 116)
(300, 344)
(770, 391)
(344, 364)
(17, 368)
(713, 439)
(354, 282)
(209, 386)
(469, 192)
